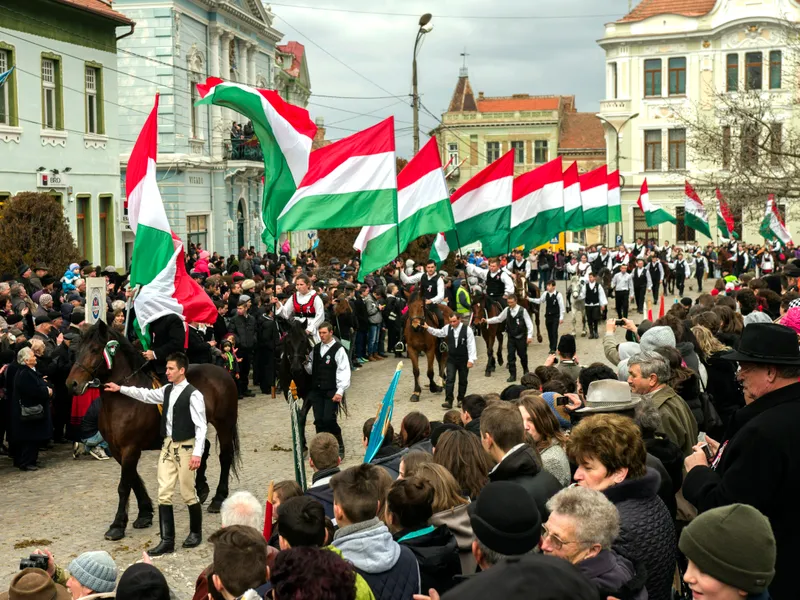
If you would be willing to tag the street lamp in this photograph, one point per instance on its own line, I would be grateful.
(618, 130)
(425, 26)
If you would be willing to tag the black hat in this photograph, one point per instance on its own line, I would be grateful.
(766, 343)
(531, 577)
(512, 392)
(142, 582)
(71, 336)
(47, 279)
(54, 314)
(40, 267)
(22, 269)
(45, 319)
(566, 345)
(334, 261)
(77, 317)
(791, 270)
(505, 520)
(13, 319)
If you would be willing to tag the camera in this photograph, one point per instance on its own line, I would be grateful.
(34, 561)
(619, 322)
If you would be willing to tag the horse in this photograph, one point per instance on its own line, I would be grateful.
(575, 304)
(295, 347)
(524, 289)
(130, 426)
(419, 340)
(482, 308)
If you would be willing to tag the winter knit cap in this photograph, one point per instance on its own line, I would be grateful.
(656, 337)
(733, 544)
(550, 398)
(95, 570)
(45, 299)
(142, 582)
(74, 266)
(505, 520)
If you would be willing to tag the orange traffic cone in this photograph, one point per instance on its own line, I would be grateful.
(649, 311)
(661, 308)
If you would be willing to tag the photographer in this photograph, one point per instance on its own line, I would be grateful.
(91, 576)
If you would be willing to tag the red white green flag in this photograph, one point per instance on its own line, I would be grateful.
(695, 215)
(773, 227)
(725, 222)
(653, 214)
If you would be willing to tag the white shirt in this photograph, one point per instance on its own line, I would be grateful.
(286, 310)
(525, 266)
(513, 312)
(414, 279)
(472, 351)
(197, 408)
(342, 365)
(622, 282)
(601, 294)
(559, 298)
(483, 273)
(584, 268)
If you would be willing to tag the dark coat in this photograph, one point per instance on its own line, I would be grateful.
(666, 489)
(244, 328)
(760, 466)
(360, 313)
(725, 391)
(389, 457)
(344, 324)
(437, 555)
(323, 493)
(198, 352)
(647, 534)
(521, 467)
(615, 575)
(167, 335)
(474, 426)
(29, 390)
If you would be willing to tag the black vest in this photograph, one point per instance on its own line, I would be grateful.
(592, 295)
(460, 351)
(323, 370)
(680, 270)
(515, 326)
(551, 308)
(515, 267)
(639, 281)
(429, 286)
(655, 273)
(495, 288)
(182, 424)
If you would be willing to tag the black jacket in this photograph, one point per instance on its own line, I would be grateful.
(437, 555)
(521, 467)
(360, 312)
(167, 335)
(615, 575)
(267, 334)
(90, 421)
(244, 328)
(474, 426)
(760, 466)
(726, 393)
(647, 534)
(389, 458)
(198, 352)
(30, 390)
(323, 493)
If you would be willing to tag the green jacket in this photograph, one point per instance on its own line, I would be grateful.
(463, 301)
(363, 591)
(677, 421)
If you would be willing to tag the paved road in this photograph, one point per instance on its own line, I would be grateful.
(69, 504)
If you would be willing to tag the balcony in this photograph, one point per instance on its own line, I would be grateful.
(615, 108)
(243, 149)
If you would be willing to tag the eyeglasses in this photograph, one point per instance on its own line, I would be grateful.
(556, 541)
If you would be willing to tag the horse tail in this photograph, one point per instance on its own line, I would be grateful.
(236, 459)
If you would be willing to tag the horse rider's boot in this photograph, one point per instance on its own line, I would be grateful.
(195, 526)
(448, 403)
(340, 439)
(512, 377)
(166, 525)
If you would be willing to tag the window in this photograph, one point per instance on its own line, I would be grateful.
(640, 228)
(652, 150)
(677, 149)
(6, 89)
(52, 111)
(750, 144)
(683, 232)
(726, 147)
(775, 143)
(753, 70)
(197, 230)
(83, 226)
(194, 116)
(452, 154)
(677, 76)
(652, 77)
(106, 226)
(473, 150)
(732, 72)
(94, 106)
(775, 70)
(519, 152)
(540, 153)
(614, 85)
(492, 151)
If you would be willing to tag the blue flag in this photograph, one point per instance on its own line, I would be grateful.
(383, 418)
(4, 76)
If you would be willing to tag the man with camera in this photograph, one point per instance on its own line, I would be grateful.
(92, 574)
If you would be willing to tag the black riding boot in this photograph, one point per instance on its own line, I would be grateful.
(448, 403)
(195, 526)
(340, 439)
(166, 525)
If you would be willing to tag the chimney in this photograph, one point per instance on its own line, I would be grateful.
(480, 95)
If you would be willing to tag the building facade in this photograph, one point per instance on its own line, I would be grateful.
(59, 114)
(663, 60)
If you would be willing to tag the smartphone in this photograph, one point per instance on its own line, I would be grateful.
(619, 323)
(701, 439)
(562, 401)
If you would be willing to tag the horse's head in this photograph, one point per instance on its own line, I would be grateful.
(478, 305)
(416, 313)
(575, 285)
(297, 345)
(91, 369)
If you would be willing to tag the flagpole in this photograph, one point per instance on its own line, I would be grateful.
(129, 303)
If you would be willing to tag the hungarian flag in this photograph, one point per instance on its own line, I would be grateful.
(350, 183)
(537, 205)
(725, 222)
(695, 215)
(573, 210)
(440, 249)
(594, 197)
(772, 227)
(423, 207)
(158, 263)
(614, 198)
(654, 215)
(285, 132)
(482, 208)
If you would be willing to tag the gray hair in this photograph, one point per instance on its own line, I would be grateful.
(242, 508)
(491, 557)
(651, 363)
(118, 305)
(45, 299)
(596, 518)
(23, 355)
(647, 416)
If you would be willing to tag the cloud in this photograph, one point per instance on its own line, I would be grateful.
(505, 56)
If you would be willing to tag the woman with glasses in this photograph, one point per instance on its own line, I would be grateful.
(582, 526)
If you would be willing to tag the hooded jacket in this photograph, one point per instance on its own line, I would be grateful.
(321, 490)
(457, 521)
(615, 575)
(520, 466)
(436, 551)
(389, 458)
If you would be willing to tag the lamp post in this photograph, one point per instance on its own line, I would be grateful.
(425, 26)
(617, 131)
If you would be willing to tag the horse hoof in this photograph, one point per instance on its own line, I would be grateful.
(202, 494)
(488, 373)
(215, 506)
(115, 533)
(435, 388)
(414, 398)
(500, 361)
(143, 522)
(583, 334)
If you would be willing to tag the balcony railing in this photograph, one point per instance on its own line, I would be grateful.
(243, 149)
(615, 107)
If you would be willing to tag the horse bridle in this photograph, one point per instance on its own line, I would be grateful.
(95, 380)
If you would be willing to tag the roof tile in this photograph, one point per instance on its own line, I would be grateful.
(519, 102)
(652, 8)
(296, 49)
(98, 7)
(581, 130)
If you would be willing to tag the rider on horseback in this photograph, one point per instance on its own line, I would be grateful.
(305, 306)
(519, 265)
(499, 284)
(431, 287)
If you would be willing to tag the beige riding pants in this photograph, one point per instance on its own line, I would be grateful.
(173, 467)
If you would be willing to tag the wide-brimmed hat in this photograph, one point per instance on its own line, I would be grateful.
(608, 395)
(766, 343)
(35, 584)
(791, 270)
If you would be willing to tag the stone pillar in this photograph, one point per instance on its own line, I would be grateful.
(216, 111)
(225, 49)
(252, 52)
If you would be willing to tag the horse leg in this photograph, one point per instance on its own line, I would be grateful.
(226, 454)
(200, 481)
(145, 517)
(414, 355)
(128, 474)
(306, 408)
(500, 349)
(490, 352)
(431, 356)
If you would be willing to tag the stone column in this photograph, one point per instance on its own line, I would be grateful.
(252, 52)
(215, 147)
(225, 49)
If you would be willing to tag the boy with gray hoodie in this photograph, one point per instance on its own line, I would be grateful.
(391, 570)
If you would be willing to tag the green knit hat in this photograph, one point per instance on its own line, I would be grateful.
(733, 544)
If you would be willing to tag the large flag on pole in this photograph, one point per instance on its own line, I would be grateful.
(482, 208)
(573, 210)
(772, 226)
(614, 198)
(695, 215)
(594, 197)
(440, 249)
(285, 133)
(350, 183)
(423, 207)
(158, 263)
(654, 215)
(725, 222)
(537, 205)
(383, 418)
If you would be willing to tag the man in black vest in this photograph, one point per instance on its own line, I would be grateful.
(431, 287)
(183, 427)
(553, 312)
(499, 284)
(639, 285)
(519, 329)
(655, 275)
(167, 336)
(461, 356)
(329, 367)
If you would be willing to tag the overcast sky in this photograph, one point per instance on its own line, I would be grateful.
(536, 56)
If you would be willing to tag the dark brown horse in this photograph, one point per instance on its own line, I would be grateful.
(524, 289)
(295, 347)
(418, 340)
(484, 308)
(130, 426)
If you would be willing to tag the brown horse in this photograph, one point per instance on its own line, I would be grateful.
(419, 340)
(130, 426)
(524, 289)
(483, 308)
